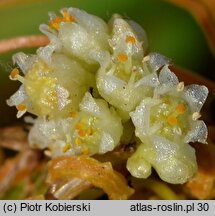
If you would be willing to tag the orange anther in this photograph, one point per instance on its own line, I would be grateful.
(21, 107)
(14, 73)
(130, 39)
(82, 133)
(180, 108)
(122, 57)
(57, 20)
(172, 120)
(55, 23)
(73, 114)
(67, 17)
(79, 126)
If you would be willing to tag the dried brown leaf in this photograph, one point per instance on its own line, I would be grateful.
(202, 184)
(14, 138)
(98, 174)
(17, 168)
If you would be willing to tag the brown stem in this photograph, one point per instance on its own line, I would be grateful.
(23, 42)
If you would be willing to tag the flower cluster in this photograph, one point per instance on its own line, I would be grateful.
(91, 79)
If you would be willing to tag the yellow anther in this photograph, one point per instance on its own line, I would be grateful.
(82, 133)
(172, 120)
(73, 114)
(21, 107)
(66, 148)
(130, 39)
(180, 108)
(78, 141)
(89, 131)
(122, 57)
(14, 73)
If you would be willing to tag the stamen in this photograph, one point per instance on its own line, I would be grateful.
(47, 153)
(79, 126)
(146, 58)
(20, 113)
(14, 73)
(130, 39)
(177, 131)
(172, 120)
(122, 57)
(82, 133)
(66, 148)
(78, 141)
(67, 17)
(180, 108)
(180, 86)
(73, 114)
(134, 68)
(55, 23)
(196, 116)
(21, 107)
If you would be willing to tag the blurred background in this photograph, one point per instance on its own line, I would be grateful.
(171, 30)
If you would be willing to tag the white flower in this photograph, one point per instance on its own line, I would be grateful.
(94, 129)
(166, 124)
(76, 33)
(53, 89)
(87, 54)
(123, 78)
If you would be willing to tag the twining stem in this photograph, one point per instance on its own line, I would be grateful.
(23, 42)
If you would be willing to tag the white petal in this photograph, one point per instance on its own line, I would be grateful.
(18, 97)
(78, 41)
(121, 29)
(23, 61)
(107, 143)
(167, 77)
(88, 104)
(45, 53)
(92, 23)
(150, 80)
(141, 34)
(157, 61)
(109, 83)
(62, 95)
(163, 148)
(141, 117)
(196, 96)
(198, 133)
